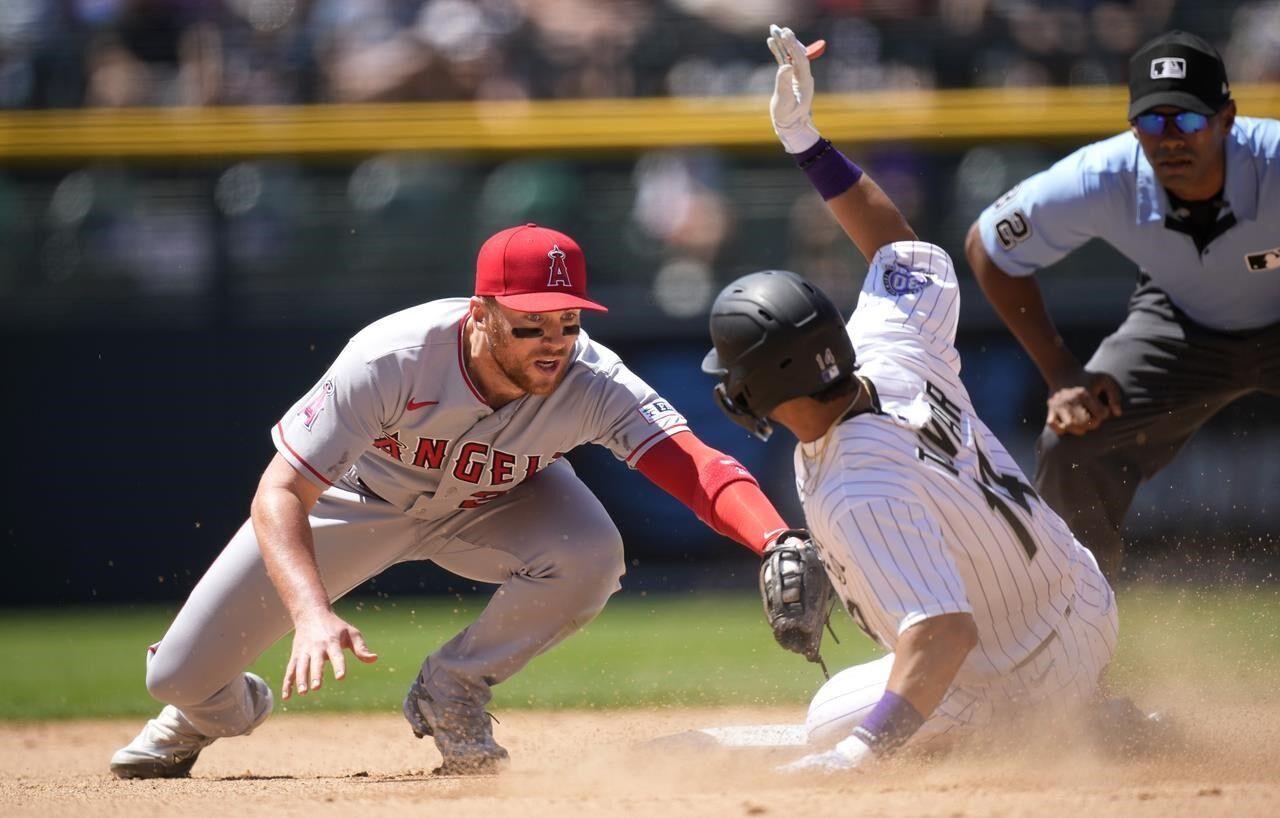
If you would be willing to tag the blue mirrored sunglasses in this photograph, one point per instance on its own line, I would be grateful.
(1153, 124)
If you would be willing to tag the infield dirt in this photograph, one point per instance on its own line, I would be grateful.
(588, 763)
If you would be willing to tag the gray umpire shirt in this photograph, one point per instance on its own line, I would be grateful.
(1108, 190)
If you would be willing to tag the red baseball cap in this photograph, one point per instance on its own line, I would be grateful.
(534, 269)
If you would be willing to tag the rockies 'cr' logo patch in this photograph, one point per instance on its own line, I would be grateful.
(900, 280)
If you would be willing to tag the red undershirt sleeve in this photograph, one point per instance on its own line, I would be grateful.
(717, 488)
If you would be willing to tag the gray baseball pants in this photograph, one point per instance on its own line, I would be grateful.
(1174, 375)
(548, 543)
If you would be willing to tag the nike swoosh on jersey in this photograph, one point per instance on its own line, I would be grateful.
(416, 405)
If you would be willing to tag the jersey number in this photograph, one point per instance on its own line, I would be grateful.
(941, 443)
(1012, 230)
(1011, 489)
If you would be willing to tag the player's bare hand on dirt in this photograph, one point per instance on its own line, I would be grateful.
(1080, 403)
(320, 637)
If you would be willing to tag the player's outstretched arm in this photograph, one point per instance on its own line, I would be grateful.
(867, 214)
(279, 514)
(716, 487)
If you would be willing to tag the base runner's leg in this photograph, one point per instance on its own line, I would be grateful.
(845, 700)
(234, 613)
(839, 706)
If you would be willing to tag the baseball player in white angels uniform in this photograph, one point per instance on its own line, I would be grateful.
(930, 533)
(438, 434)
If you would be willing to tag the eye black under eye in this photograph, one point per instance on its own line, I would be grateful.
(572, 329)
(526, 332)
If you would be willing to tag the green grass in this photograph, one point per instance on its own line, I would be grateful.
(656, 650)
(1224, 642)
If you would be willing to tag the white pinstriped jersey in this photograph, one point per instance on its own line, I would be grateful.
(919, 510)
(398, 415)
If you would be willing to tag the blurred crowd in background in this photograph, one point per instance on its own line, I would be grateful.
(72, 53)
(284, 241)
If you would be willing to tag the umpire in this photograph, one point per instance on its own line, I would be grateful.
(1191, 194)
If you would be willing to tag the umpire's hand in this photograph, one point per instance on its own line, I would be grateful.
(1080, 403)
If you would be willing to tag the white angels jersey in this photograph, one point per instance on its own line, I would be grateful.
(398, 416)
(918, 509)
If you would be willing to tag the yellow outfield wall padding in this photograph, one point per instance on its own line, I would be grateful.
(969, 115)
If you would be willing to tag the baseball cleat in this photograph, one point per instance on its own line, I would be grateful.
(490, 761)
(169, 745)
(463, 734)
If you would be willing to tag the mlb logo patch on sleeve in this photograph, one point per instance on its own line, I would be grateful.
(661, 413)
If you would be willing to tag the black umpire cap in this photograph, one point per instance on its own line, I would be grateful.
(1178, 69)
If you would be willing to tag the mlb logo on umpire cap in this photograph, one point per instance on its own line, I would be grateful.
(1168, 68)
(534, 269)
(1177, 69)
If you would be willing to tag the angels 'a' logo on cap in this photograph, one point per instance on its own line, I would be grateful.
(559, 275)
(1168, 68)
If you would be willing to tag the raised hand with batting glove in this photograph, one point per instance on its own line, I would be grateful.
(792, 104)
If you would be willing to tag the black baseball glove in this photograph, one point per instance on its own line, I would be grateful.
(797, 594)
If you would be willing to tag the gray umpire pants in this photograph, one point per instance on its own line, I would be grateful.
(549, 544)
(1174, 375)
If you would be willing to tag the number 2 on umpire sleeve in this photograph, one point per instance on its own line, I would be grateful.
(1012, 230)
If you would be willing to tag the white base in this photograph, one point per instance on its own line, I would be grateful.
(758, 735)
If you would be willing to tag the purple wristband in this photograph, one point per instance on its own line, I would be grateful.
(889, 724)
(829, 170)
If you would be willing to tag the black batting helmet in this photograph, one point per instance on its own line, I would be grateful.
(776, 337)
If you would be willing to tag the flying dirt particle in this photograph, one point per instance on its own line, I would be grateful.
(1210, 791)
(753, 809)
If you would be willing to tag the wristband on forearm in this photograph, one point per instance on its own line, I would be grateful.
(889, 724)
(829, 170)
